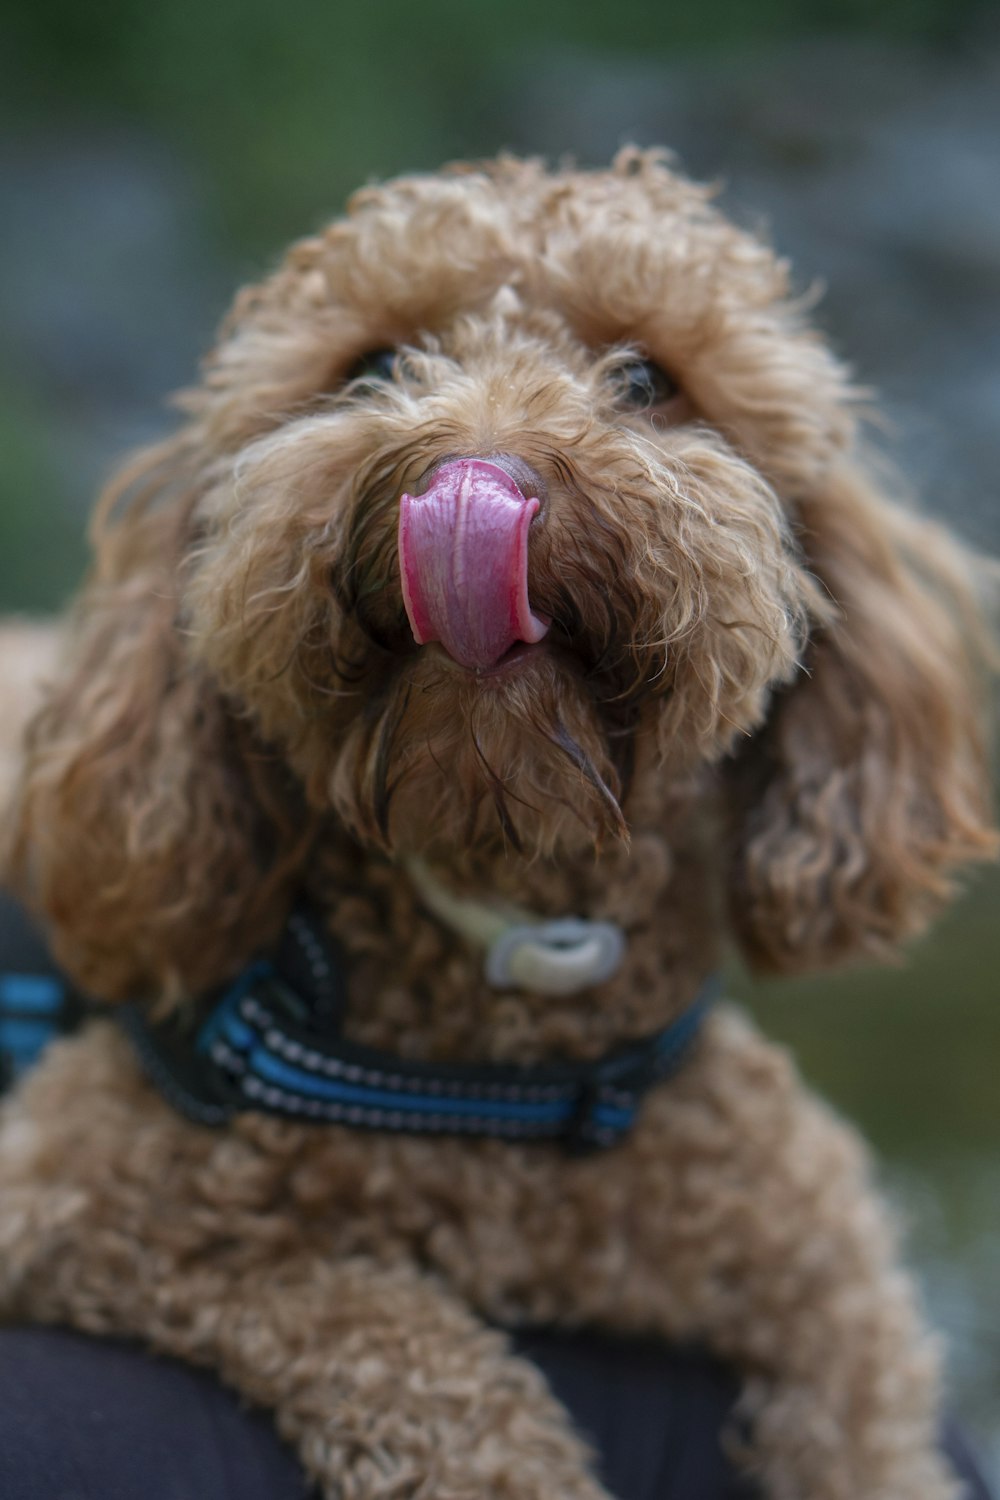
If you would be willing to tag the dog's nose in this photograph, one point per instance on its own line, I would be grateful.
(463, 558)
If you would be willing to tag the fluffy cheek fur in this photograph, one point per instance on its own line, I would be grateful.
(665, 566)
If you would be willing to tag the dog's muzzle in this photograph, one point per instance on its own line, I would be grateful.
(463, 561)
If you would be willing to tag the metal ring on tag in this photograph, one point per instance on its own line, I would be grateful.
(556, 958)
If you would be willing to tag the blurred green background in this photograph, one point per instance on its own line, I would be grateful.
(153, 156)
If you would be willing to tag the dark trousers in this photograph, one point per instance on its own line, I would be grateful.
(82, 1419)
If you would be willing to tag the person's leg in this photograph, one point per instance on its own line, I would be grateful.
(84, 1419)
(655, 1416)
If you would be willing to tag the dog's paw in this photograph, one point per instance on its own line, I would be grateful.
(479, 1444)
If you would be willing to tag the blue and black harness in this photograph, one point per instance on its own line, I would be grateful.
(272, 1041)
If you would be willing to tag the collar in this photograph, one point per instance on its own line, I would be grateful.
(272, 1041)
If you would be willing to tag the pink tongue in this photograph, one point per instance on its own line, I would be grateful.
(463, 559)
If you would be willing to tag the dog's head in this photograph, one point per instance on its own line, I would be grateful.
(506, 484)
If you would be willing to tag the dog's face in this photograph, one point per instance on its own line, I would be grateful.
(459, 347)
(505, 483)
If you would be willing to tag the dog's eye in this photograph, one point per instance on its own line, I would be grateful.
(377, 364)
(640, 385)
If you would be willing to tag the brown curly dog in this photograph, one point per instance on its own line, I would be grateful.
(516, 553)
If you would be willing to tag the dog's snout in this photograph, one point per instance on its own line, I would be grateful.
(528, 480)
(524, 475)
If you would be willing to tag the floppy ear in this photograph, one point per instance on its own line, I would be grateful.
(150, 833)
(869, 783)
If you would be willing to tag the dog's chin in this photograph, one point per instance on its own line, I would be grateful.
(515, 757)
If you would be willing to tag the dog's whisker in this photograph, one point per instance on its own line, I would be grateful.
(583, 763)
(381, 760)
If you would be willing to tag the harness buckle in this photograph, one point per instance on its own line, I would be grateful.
(607, 1102)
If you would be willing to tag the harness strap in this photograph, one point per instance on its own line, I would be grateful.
(266, 1045)
(272, 1041)
(36, 1003)
(34, 1010)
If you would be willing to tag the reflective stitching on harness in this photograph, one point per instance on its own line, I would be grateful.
(282, 1073)
(265, 1045)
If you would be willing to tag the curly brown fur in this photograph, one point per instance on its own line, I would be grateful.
(760, 695)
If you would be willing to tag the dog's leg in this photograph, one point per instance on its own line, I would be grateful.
(759, 1222)
(386, 1385)
(383, 1384)
(118, 1218)
(740, 1216)
(841, 1397)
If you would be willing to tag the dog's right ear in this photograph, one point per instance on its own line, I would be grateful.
(155, 840)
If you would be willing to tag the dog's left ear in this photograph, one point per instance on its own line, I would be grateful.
(869, 783)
